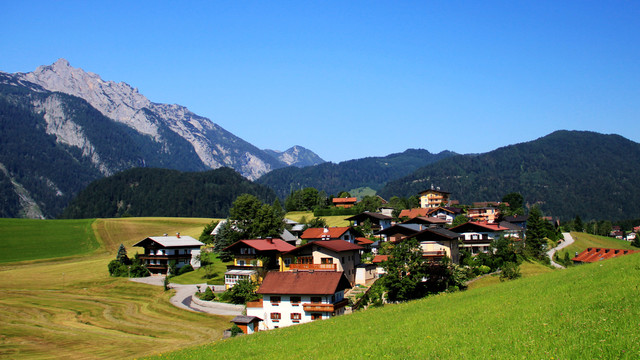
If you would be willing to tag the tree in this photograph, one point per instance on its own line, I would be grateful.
(459, 220)
(636, 241)
(369, 203)
(206, 237)
(242, 292)
(516, 201)
(122, 255)
(535, 234)
(344, 194)
(577, 224)
(226, 236)
(405, 270)
(316, 222)
(243, 213)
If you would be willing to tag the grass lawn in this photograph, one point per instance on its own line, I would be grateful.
(584, 241)
(331, 220)
(583, 312)
(27, 239)
(71, 308)
(527, 269)
(198, 276)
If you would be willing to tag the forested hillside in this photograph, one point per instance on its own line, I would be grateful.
(167, 193)
(332, 178)
(568, 173)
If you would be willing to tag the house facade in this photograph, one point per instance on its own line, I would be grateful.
(437, 243)
(251, 258)
(161, 251)
(345, 233)
(378, 221)
(344, 202)
(290, 298)
(477, 236)
(433, 198)
(323, 256)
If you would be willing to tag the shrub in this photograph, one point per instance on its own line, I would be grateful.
(235, 330)
(242, 292)
(185, 269)
(116, 268)
(510, 271)
(207, 295)
(138, 270)
(484, 269)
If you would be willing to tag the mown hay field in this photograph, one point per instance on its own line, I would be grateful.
(71, 308)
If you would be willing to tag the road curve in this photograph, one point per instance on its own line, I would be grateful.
(568, 240)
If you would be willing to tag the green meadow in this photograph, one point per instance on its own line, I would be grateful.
(584, 241)
(584, 312)
(71, 308)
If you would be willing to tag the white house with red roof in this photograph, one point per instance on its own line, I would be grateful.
(329, 233)
(160, 251)
(328, 255)
(290, 298)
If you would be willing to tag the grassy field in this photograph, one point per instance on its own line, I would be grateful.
(527, 269)
(585, 312)
(70, 308)
(584, 241)
(331, 220)
(198, 276)
(26, 239)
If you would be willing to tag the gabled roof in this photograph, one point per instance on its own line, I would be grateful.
(363, 241)
(479, 226)
(278, 245)
(303, 283)
(435, 234)
(411, 213)
(511, 226)
(433, 191)
(244, 319)
(426, 220)
(321, 233)
(597, 254)
(347, 200)
(171, 241)
(367, 214)
(404, 229)
(516, 218)
(334, 245)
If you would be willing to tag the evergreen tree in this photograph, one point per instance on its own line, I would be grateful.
(535, 234)
(577, 224)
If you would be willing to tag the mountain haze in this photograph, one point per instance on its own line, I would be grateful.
(568, 173)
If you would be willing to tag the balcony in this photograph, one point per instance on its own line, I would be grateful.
(306, 267)
(433, 253)
(320, 307)
(165, 257)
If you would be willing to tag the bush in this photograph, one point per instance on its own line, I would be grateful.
(484, 269)
(235, 330)
(207, 295)
(116, 268)
(185, 269)
(241, 293)
(510, 271)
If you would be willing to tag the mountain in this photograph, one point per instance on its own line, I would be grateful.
(161, 192)
(332, 178)
(62, 127)
(568, 173)
(296, 156)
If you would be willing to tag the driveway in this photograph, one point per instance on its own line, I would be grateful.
(568, 240)
(182, 298)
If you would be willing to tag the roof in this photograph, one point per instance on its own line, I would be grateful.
(511, 226)
(286, 235)
(348, 200)
(480, 226)
(425, 220)
(404, 229)
(411, 213)
(434, 191)
(368, 214)
(516, 218)
(303, 283)
(380, 258)
(597, 254)
(171, 241)
(320, 233)
(335, 245)
(278, 245)
(363, 241)
(435, 234)
(244, 319)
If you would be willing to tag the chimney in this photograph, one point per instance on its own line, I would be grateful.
(178, 235)
(270, 240)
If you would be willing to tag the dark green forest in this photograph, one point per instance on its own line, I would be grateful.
(162, 192)
(567, 173)
(332, 178)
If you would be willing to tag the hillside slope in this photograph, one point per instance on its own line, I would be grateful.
(568, 173)
(373, 172)
(585, 312)
(167, 193)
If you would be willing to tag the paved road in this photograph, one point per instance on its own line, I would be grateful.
(568, 240)
(182, 298)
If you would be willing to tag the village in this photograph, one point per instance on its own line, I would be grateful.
(314, 273)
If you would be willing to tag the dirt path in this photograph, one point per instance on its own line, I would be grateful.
(184, 293)
(568, 240)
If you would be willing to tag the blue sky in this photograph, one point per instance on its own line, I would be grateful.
(359, 78)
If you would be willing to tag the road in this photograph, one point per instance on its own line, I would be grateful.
(568, 240)
(182, 298)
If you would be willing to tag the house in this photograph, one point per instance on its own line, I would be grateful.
(248, 324)
(446, 213)
(489, 213)
(290, 298)
(328, 255)
(398, 232)
(427, 221)
(160, 251)
(433, 198)
(378, 260)
(329, 233)
(436, 243)
(346, 202)
(520, 220)
(477, 236)
(253, 257)
(598, 254)
(365, 243)
(378, 221)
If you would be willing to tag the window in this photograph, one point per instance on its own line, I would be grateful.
(295, 300)
(287, 262)
(296, 317)
(316, 299)
(316, 316)
(275, 317)
(241, 262)
(247, 251)
(326, 261)
(275, 300)
(305, 260)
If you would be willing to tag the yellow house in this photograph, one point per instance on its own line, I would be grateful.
(433, 198)
(325, 255)
(253, 258)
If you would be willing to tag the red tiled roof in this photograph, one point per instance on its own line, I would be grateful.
(265, 245)
(596, 254)
(335, 245)
(412, 213)
(380, 258)
(319, 233)
(303, 283)
(363, 241)
(349, 200)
